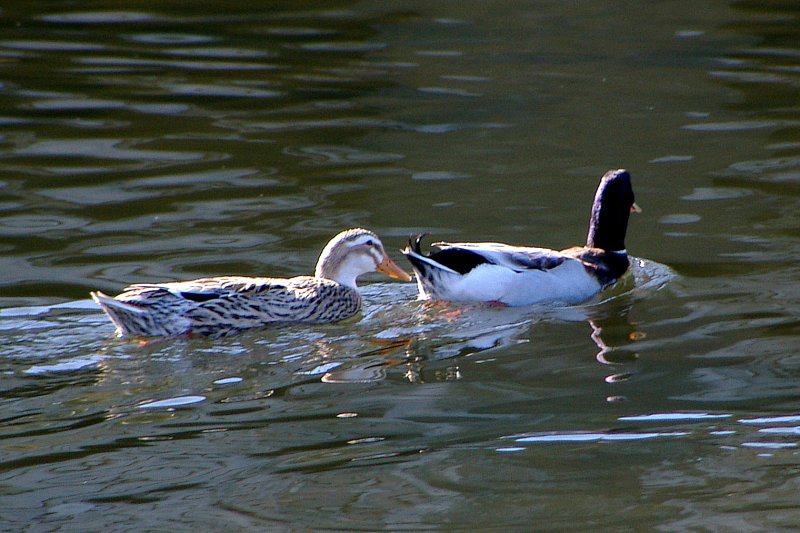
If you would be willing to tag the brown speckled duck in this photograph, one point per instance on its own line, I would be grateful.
(220, 305)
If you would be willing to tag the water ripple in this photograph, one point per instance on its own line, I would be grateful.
(741, 125)
(171, 403)
(219, 52)
(73, 104)
(125, 61)
(38, 224)
(778, 419)
(449, 91)
(53, 46)
(596, 437)
(99, 17)
(339, 155)
(703, 194)
(342, 46)
(103, 149)
(172, 38)
(69, 365)
(220, 90)
(359, 123)
(670, 417)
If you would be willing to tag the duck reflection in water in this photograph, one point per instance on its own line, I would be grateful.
(439, 352)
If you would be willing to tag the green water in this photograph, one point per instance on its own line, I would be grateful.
(173, 140)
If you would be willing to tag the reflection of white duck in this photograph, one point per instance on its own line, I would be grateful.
(224, 304)
(515, 275)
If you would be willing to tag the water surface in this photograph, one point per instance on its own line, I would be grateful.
(171, 141)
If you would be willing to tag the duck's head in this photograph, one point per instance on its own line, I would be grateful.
(355, 252)
(613, 204)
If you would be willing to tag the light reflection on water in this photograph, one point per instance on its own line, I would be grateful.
(180, 143)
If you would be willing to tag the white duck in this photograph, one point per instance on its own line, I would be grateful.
(516, 275)
(220, 305)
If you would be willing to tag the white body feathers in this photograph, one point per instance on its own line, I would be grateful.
(505, 280)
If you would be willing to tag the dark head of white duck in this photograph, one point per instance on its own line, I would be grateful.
(613, 204)
(352, 253)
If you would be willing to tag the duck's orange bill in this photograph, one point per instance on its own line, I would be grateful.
(391, 269)
(635, 208)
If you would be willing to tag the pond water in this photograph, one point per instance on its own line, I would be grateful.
(172, 141)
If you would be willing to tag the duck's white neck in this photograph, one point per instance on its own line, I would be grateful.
(342, 273)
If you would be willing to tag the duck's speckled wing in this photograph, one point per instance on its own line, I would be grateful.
(215, 305)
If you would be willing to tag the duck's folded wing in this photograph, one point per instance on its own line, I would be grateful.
(205, 289)
(516, 258)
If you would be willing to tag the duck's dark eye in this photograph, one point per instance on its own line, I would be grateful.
(370, 243)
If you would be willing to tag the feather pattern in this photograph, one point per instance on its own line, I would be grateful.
(518, 275)
(221, 305)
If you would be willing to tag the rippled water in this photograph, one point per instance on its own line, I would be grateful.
(171, 141)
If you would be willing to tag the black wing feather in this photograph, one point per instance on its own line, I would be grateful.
(458, 259)
(200, 297)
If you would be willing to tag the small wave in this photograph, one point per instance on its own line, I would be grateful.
(170, 403)
(44, 309)
(771, 420)
(671, 417)
(596, 437)
(72, 365)
(228, 381)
